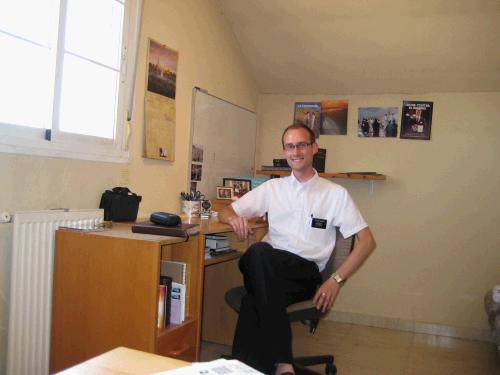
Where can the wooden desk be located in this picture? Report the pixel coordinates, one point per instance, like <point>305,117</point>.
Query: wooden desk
<point>105,292</point>
<point>122,361</point>
<point>221,274</point>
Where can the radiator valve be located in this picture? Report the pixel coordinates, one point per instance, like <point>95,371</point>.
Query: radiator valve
<point>5,217</point>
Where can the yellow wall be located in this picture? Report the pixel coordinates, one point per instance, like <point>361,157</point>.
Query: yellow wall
<point>208,58</point>
<point>435,218</point>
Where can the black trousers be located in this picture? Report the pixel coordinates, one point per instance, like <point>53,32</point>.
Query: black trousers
<point>273,280</point>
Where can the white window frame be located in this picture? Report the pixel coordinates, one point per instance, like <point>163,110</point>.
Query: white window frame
<point>32,141</point>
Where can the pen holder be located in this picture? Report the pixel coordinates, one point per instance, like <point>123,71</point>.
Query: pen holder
<point>190,208</point>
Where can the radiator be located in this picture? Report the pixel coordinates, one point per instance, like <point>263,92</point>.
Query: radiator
<point>28,345</point>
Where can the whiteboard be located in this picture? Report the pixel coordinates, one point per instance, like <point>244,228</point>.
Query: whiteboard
<point>226,134</point>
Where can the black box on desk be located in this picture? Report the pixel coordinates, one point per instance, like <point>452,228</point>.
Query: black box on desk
<point>319,160</point>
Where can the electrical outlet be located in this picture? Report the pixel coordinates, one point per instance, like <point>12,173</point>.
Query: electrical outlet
<point>124,177</point>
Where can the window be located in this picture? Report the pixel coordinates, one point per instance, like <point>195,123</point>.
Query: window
<point>66,76</point>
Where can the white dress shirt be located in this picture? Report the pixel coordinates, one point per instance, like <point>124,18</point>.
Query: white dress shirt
<point>292,206</point>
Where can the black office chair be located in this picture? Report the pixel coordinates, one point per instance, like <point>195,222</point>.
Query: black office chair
<point>305,311</point>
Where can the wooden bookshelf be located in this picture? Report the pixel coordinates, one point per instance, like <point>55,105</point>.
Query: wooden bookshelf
<point>349,175</point>
<point>106,295</point>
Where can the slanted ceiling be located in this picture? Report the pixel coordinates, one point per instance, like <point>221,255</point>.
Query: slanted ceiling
<point>368,46</point>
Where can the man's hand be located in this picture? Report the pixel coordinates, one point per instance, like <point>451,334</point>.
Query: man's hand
<point>326,294</point>
<point>240,226</point>
<point>238,223</point>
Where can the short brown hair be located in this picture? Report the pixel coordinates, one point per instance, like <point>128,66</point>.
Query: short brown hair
<point>298,125</point>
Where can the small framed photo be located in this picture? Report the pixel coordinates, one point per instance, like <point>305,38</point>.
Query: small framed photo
<point>240,186</point>
<point>224,192</point>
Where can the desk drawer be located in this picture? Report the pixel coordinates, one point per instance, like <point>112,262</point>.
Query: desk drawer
<point>179,342</point>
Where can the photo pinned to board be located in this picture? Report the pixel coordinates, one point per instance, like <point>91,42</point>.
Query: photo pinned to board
<point>197,153</point>
<point>196,170</point>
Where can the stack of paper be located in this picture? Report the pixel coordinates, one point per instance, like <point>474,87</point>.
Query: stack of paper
<point>217,244</point>
<point>178,303</point>
<point>217,367</point>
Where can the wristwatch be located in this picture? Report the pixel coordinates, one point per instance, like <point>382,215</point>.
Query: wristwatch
<point>338,279</point>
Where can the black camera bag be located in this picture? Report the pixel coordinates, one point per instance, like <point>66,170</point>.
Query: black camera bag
<point>120,204</point>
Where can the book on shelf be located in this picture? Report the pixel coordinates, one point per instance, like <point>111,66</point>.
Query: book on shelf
<point>216,242</point>
<point>166,281</point>
<point>222,250</point>
<point>215,236</point>
<point>275,168</point>
<point>319,160</point>
<point>177,303</point>
<point>182,230</point>
<point>162,289</point>
<point>280,163</point>
<point>174,269</point>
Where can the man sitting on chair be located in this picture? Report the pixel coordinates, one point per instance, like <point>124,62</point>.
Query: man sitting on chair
<point>303,211</point>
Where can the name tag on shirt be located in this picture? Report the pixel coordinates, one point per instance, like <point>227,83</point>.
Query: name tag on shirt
<point>318,223</point>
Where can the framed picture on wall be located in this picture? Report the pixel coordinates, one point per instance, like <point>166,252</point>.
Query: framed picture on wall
<point>308,114</point>
<point>378,122</point>
<point>416,120</point>
<point>159,102</point>
<point>239,185</point>
<point>334,117</point>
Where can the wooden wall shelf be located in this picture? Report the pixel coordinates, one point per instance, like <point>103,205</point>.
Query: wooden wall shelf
<point>349,176</point>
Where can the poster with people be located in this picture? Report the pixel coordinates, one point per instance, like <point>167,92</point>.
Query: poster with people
<point>308,114</point>
<point>378,122</point>
<point>416,120</point>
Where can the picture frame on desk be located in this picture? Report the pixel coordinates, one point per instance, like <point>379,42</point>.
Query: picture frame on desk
<point>240,186</point>
<point>225,192</point>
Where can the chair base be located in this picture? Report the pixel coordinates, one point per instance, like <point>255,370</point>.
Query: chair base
<point>301,363</point>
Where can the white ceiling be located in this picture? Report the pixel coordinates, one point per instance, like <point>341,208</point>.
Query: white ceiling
<point>368,46</point>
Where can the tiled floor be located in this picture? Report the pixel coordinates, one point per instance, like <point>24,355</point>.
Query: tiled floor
<point>362,350</point>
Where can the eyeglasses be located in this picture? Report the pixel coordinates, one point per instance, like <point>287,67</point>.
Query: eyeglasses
<point>301,146</point>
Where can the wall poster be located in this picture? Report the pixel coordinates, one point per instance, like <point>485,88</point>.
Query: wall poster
<point>159,103</point>
<point>416,120</point>
<point>334,117</point>
<point>325,117</point>
<point>378,122</point>
<point>308,114</point>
